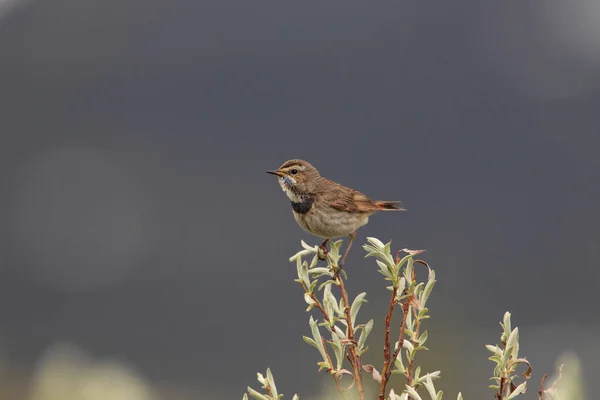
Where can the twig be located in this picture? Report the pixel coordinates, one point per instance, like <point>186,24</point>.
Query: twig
<point>387,361</point>
<point>405,310</point>
<point>503,380</point>
<point>388,364</point>
<point>355,359</point>
<point>500,394</point>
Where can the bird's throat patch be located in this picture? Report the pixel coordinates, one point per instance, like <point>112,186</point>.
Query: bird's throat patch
<point>303,206</point>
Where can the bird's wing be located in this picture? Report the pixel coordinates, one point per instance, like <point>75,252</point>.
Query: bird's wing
<point>345,199</point>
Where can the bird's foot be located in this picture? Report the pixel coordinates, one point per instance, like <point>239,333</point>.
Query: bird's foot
<point>323,250</point>
<point>337,271</point>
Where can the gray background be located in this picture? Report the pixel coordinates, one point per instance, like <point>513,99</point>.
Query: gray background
<point>138,222</point>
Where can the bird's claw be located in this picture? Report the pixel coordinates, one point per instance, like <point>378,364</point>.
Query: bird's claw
<point>337,271</point>
<point>322,253</point>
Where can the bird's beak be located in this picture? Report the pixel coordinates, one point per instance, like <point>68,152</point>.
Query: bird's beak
<point>278,173</point>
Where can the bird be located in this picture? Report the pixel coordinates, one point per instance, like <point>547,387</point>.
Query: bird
<point>326,208</point>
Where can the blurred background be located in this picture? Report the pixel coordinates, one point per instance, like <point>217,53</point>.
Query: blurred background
<point>142,243</point>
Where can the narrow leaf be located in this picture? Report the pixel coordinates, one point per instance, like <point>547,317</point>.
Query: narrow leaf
<point>364,334</point>
<point>257,395</point>
<point>358,300</point>
<point>271,383</point>
<point>518,390</point>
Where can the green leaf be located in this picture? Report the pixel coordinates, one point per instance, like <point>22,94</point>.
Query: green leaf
<point>385,269</point>
<point>378,244</point>
<point>271,383</point>
<point>364,334</point>
<point>496,359</point>
<point>423,338</point>
<point>338,350</point>
<point>494,349</point>
<point>506,356</point>
<point>308,299</point>
<point>358,301</point>
<point>317,338</point>
<point>513,342</point>
<point>417,374</point>
<point>329,302</point>
<point>339,332</point>
<point>320,271</point>
<point>326,283</point>
<point>363,350</point>
<point>399,364</point>
<point>408,346</point>
<point>342,307</point>
<point>408,269</point>
<point>430,375</point>
<point>505,327</point>
<point>518,390</point>
<point>427,380</point>
<point>261,379</point>
<point>379,250</point>
<point>256,395</point>
<point>313,262</point>
<point>312,286</point>
<point>310,341</point>
<point>401,286</point>
<point>419,289</point>
<point>302,268</point>
<point>307,251</point>
<point>413,393</point>
<point>403,260</point>
<point>387,248</point>
<point>409,327</point>
<point>428,288</point>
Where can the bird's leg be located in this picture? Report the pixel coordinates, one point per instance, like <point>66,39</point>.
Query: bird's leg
<point>323,250</point>
<point>341,264</point>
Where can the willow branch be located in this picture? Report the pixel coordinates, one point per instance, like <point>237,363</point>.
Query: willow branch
<point>352,346</point>
<point>328,319</point>
<point>387,361</point>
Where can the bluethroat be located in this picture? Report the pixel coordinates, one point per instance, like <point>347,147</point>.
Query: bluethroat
<point>325,208</point>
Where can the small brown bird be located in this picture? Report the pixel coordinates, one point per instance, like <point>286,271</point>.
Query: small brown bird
<point>325,208</point>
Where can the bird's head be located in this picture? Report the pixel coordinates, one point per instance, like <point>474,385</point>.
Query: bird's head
<point>297,178</point>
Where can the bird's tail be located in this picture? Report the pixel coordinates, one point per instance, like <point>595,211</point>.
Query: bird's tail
<point>389,206</point>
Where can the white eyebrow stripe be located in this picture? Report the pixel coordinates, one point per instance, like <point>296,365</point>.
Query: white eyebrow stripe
<point>295,166</point>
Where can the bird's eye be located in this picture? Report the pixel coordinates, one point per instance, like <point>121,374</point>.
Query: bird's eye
<point>294,171</point>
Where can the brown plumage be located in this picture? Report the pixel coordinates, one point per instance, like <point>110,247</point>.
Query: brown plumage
<point>324,207</point>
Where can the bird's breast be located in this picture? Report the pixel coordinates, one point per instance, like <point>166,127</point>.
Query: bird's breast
<point>327,222</point>
<point>303,205</point>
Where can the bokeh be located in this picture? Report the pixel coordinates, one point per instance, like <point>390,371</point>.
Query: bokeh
<point>142,243</point>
